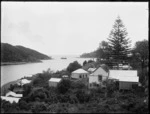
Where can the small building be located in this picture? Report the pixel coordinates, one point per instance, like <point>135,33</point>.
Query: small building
<point>12,94</point>
<point>126,78</point>
<point>65,76</point>
<point>98,76</point>
<point>54,81</point>
<point>79,74</point>
<point>10,99</point>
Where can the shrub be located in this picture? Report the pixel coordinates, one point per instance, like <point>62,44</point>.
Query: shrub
<point>63,86</point>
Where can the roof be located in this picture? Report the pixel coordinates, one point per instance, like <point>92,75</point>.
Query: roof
<point>124,75</point>
<point>80,71</point>
<point>13,94</point>
<point>105,67</point>
<point>91,69</point>
<point>114,73</point>
<point>65,76</point>
<point>10,99</point>
<point>55,79</point>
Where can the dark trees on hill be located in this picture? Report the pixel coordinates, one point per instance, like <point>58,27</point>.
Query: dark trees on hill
<point>73,66</point>
<point>118,41</point>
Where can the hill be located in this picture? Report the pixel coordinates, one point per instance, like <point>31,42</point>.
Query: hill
<point>10,53</point>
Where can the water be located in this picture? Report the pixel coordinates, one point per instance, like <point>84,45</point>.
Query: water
<point>14,72</point>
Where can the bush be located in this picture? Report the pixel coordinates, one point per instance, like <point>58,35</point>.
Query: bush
<point>63,86</point>
<point>73,66</point>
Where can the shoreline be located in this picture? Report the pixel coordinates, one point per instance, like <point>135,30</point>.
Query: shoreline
<point>16,63</point>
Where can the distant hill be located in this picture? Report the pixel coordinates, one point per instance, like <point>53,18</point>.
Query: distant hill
<point>89,55</point>
<point>10,53</point>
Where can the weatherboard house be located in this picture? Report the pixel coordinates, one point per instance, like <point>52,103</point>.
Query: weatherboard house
<point>98,76</point>
<point>79,74</point>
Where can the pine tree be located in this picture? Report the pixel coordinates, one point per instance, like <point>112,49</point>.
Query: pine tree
<point>118,42</point>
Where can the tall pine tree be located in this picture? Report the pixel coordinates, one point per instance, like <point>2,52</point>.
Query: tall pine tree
<point>118,42</point>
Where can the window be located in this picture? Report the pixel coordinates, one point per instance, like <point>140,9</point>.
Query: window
<point>100,77</point>
<point>80,76</point>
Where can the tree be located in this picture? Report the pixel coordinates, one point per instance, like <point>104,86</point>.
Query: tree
<point>73,66</point>
<point>63,86</point>
<point>141,54</point>
<point>118,41</point>
<point>84,63</point>
<point>103,51</point>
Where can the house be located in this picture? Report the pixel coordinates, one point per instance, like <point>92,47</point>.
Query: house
<point>98,76</point>
<point>10,99</point>
<point>126,78</point>
<point>12,94</point>
<point>79,74</point>
<point>54,81</point>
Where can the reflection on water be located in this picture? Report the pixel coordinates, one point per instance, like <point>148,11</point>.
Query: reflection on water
<point>14,72</point>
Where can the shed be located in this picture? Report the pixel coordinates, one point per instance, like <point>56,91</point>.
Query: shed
<point>79,74</point>
<point>54,81</point>
<point>126,78</point>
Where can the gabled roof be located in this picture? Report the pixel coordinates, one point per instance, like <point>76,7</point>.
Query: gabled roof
<point>104,67</point>
<point>55,80</point>
<point>80,71</point>
<point>10,99</point>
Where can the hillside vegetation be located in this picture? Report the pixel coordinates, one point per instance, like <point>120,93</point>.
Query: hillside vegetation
<point>10,53</point>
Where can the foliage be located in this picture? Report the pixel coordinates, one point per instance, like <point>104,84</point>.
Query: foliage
<point>89,55</point>
<point>118,43</point>
<point>63,86</point>
<point>103,51</point>
<point>73,66</point>
<point>41,79</point>
<point>84,63</point>
<point>27,89</point>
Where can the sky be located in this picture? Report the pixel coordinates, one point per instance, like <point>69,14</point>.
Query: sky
<point>69,28</point>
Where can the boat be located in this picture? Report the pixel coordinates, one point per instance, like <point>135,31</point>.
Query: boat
<point>63,58</point>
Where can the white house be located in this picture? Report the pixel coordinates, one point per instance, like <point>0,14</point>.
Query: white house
<point>79,74</point>
<point>54,81</point>
<point>10,99</point>
<point>12,94</point>
<point>97,77</point>
<point>126,78</point>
